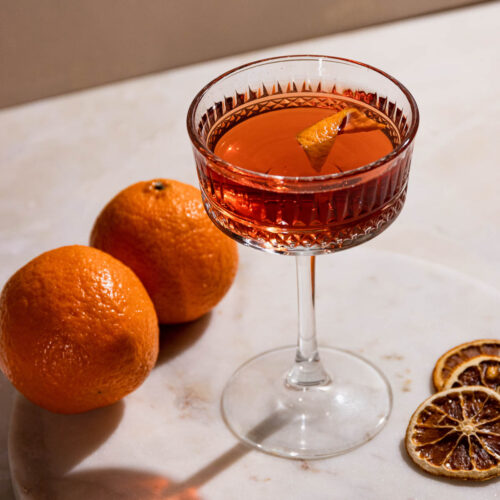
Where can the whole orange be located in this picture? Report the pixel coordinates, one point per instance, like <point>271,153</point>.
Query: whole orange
<point>159,229</point>
<point>77,330</point>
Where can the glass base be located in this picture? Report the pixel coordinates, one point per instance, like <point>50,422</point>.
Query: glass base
<point>309,422</point>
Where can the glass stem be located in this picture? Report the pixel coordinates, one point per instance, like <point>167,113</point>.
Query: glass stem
<point>307,370</point>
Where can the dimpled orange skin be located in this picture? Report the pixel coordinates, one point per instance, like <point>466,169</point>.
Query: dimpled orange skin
<point>77,330</point>
<point>159,228</point>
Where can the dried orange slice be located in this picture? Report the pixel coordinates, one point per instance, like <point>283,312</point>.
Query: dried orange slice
<point>458,355</point>
<point>456,433</point>
<point>481,370</point>
<point>318,139</point>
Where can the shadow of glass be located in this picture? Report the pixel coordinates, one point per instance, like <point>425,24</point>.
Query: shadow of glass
<point>259,432</point>
<point>42,475</point>
<point>174,339</point>
<point>116,484</point>
<point>44,444</point>
<point>441,479</point>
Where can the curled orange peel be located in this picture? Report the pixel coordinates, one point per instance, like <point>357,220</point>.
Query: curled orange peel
<point>318,139</point>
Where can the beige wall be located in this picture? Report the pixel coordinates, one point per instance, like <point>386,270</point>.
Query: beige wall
<point>48,47</point>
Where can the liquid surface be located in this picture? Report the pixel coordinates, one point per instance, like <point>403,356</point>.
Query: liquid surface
<point>283,219</point>
<point>267,143</point>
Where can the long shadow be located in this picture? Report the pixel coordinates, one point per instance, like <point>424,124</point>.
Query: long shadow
<point>265,428</point>
<point>175,339</point>
<point>44,447</point>
<point>127,484</point>
<point>44,444</point>
<point>116,484</point>
<point>45,467</point>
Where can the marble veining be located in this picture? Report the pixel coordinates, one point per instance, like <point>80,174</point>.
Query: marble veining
<point>429,282</point>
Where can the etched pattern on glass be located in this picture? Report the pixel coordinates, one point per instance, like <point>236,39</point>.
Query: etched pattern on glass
<point>270,217</point>
<point>225,114</point>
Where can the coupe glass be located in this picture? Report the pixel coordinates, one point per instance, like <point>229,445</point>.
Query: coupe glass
<point>299,402</point>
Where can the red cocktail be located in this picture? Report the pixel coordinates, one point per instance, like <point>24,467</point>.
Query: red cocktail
<point>263,188</point>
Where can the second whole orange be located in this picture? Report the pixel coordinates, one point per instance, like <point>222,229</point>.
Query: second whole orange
<point>77,330</point>
<point>159,229</point>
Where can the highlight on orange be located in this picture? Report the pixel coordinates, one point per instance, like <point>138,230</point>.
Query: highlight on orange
<point>77,330</point>
<point>159,229</point>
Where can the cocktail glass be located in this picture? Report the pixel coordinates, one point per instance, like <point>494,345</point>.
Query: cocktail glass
<point>299,402</point>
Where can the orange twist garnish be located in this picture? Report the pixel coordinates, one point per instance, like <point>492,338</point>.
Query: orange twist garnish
<point>318,139</point>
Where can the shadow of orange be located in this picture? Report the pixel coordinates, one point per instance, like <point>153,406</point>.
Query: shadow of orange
<point>43,444</point>
<point>46,446</point>
<point>7,397</point>
<point>117,484</point>
<point>175,339</point>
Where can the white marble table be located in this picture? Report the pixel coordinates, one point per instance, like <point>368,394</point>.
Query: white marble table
<point>429,282</point>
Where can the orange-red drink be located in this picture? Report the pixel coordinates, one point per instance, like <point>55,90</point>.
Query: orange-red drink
<point>268,143</point>
<point>304,155</point>
<point>263,211</point>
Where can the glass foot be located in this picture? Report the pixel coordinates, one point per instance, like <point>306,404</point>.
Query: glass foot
<point>311,422</point>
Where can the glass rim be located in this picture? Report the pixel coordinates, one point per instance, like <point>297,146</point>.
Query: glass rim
<point>234,168</point>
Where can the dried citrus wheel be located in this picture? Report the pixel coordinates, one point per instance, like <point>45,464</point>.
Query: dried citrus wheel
<point>481,370</point>
<point>318,139</point>
<point>456,433</point>
<point>460,354</point>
